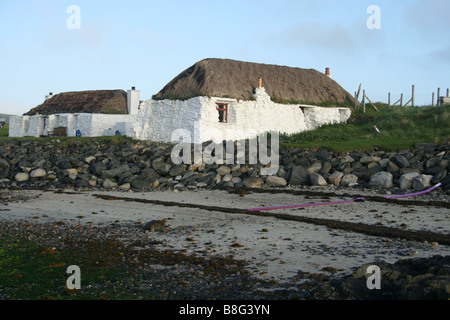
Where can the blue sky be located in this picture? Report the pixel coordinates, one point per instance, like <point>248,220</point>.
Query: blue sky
<point>147,43</point>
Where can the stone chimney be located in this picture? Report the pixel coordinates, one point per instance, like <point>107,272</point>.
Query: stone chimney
<point>133,101</point>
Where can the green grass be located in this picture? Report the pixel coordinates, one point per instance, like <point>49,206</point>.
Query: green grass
<point>400,128</point>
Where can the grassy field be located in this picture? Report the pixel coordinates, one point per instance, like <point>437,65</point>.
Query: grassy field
<point>400,128</point>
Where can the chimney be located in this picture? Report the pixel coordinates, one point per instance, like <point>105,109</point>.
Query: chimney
<point>260,82</point>
<point>133,101</point>
<point>327,72</point>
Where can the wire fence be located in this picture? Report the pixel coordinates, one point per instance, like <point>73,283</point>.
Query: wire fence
<point>402,99</point>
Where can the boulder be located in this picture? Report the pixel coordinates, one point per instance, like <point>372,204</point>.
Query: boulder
<point>369,159</point>
<point>107,183</point>
<point>382,179</point>
<point>335,178</point>
<point>274,181</point>
<point>315,167</point>
<point>406,180</point>
<point>223,170</point>
<point>177,170</point>
<point>4,168</point>
<point>299,176</point>
<point>22,176</point>
<point>317,180</point>
<point>162,168</point>
<point>38,173</point>
<point>253,182</point>
<point>422,182</point>
<point>349,180</point>
<point>401,161</point>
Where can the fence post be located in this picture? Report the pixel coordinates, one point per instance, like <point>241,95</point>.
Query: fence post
<point>401,100</point>
<point>432,99</point>
<point>438,103</point>
<point>364,101</point>
<point>389,99</point>
<point>412,99</point>
<point>447,93</point>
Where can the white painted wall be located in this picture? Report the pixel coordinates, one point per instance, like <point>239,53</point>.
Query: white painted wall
<point>158,120</point>
<point>90,125</point>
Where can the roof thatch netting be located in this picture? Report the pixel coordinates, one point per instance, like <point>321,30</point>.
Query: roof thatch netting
<point>91,101</point>
<point>237,79</point>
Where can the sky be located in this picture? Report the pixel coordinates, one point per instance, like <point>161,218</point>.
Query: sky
<point>59,46</point>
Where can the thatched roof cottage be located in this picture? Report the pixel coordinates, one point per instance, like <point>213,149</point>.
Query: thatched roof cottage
<point>211,100</point>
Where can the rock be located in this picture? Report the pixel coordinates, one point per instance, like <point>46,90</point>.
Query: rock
<point>401,161</point>
<point>38,173</point>
<point>71,173</point>
<point>439,176</point>
<point>391,167</point>
<point>406,180</point>
<point>274,181</point>
<point>125,186</point>
<point>315,167</point>
<point>299,176</point>
<point>4,168</point>
<point>116,172</point>
<point>155,225</point>
<point>369,159</point>
<point>227,177</point>
<point>253,182</point>
<point>162,168</point>
<point>335,178</point>
<point>107,183</point>
<point>22,176</point>
<point>349,180</point>
<point>422,182</point>
<point>384,163</point>
<point>223,170</point>
<point>317,180</point>
<point>382,179</point>
<point>90,159</point>
<point>177,170</point>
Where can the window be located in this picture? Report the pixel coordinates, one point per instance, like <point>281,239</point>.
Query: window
<point>222,108</point>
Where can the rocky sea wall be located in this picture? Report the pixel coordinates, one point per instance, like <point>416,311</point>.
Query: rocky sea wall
<point>144,165</point>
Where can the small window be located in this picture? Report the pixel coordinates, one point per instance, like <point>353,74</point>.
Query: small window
<point>222,108</point>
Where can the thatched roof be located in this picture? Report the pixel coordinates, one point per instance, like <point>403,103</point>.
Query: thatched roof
<point>237,79</point>
<point>92,101</point>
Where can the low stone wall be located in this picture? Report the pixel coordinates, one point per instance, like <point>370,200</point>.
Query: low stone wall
<point>142,165</point>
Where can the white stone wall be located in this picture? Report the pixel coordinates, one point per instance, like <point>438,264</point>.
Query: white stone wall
<point>197,118</point>
<point>158,119</point>
<point>90,125</point>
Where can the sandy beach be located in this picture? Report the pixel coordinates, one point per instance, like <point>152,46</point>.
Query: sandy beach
<point>274,248</point>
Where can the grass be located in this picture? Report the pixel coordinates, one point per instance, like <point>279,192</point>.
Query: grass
<point>400,128</point>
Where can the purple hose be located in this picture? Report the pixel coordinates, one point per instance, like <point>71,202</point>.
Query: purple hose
<point>344,201</point>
